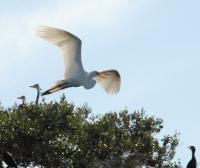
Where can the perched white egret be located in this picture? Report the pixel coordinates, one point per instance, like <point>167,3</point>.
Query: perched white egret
<point>23,98</point>
<point>37,87</point>
<point>75,75</point>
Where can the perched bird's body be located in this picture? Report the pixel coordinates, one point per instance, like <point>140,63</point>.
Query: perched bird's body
<point>75,75</point>
<point>37,87</point>
<point>192,163</point>
<point>9,160</point>
<point>23,98</point>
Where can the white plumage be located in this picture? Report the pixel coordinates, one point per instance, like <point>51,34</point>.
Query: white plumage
<point>75,75</point>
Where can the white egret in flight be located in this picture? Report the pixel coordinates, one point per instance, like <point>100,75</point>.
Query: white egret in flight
<point>23,98</point>
<point>75,75</point>
<point>37,87</point>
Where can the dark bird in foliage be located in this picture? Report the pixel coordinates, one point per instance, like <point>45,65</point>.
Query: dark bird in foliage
<point>192,163</point>
<point>37,87</point>
<point>9,160</point>
<point>23,98</point>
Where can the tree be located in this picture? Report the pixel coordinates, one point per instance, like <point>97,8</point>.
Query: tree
<point>58,134</point>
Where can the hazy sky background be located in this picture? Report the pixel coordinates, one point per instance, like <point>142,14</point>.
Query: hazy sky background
<point>154,44</point>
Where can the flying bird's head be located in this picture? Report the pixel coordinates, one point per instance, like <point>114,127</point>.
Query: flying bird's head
<point>192,148</point>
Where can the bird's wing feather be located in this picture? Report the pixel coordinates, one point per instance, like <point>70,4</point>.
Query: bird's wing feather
<point>110,80</point>
<point>70,46</point>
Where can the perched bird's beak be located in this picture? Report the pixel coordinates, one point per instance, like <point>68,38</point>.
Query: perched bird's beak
<point>33,86</point>
<point>21,97</point>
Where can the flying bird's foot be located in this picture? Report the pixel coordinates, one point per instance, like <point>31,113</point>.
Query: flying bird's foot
<point>53,89</point>
<point>46,93</point>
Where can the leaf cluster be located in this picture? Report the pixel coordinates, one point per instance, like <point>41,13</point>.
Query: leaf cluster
<point>58,134</point>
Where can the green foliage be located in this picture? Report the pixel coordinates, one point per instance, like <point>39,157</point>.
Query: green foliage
<point>58,134</point>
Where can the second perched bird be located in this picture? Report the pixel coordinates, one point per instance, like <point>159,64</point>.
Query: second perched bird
<point>192,163</point>
<point>75,75</point>
<point>23,98</point>
<point>37,87</point>
<point>9,160</point>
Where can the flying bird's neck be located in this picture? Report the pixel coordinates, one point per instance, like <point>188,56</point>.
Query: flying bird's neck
<point>90,80</point>
<point>92,75</point>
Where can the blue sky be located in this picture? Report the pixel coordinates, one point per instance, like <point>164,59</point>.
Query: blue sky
<point>154,44</point>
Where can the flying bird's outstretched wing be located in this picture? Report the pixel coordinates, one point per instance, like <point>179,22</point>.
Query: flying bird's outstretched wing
<point>70,46</point>
<point>110,80</point>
